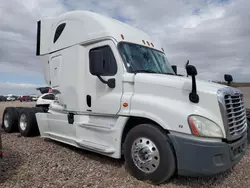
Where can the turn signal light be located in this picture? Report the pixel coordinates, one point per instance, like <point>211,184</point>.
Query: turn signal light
<point>193,127</point>
<point>125,104</point>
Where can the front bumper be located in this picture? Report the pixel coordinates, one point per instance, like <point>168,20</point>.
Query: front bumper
<point>198,158</point>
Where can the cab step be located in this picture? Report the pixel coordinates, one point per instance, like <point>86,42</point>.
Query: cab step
<point>96,147</point>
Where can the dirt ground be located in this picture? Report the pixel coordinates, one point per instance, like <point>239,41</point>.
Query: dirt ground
<point>38,162</point>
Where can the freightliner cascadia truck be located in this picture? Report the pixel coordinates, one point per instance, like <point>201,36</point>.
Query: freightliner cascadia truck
<point>118,95</point>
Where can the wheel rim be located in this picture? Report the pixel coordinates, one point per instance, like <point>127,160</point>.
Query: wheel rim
<point>145,155</point>
<point>23,122</point>
<point>6,120</point>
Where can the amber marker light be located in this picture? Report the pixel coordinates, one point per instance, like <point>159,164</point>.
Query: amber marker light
<point>125,104</point>
<point>193,127</point>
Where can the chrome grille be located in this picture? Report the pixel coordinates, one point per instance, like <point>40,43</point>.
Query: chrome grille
<point>236,113</point>
<point>248,113</point>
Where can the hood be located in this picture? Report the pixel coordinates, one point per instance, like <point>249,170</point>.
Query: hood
<point>166,98</point>
<point>178,82</point>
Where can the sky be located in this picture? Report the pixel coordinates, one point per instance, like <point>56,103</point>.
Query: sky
<point>213,34</point>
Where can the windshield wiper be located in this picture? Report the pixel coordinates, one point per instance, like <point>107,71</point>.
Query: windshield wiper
<point>169,73</point>
<point>145,70</point>
<point>150,71</point>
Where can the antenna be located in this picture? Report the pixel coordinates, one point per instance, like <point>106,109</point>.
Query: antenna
<point>186,66</point>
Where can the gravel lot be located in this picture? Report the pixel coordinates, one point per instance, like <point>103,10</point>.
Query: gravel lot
<point>37,162</point>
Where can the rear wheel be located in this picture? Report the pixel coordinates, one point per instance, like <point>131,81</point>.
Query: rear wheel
<point>27,122</point>
<point>10,119</point>
<point>149,154</point>
<point>248,130</point>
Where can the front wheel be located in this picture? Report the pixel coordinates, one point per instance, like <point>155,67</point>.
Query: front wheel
<point>149,154</point>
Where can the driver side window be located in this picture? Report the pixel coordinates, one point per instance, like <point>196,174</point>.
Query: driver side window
<point>105,57</point>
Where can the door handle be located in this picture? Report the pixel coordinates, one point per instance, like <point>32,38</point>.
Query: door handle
<point>88,100</point>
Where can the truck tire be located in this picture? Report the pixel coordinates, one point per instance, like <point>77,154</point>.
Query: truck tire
<point>10,119</point>
<point>27,124</point>
<point>248,131</point>
<point>149,154</point>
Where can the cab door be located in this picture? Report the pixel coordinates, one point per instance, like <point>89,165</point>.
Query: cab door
<point>103,98</point>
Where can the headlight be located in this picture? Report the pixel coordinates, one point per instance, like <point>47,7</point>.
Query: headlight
<point>201,126</point>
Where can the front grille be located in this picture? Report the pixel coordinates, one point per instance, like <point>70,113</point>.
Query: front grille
<point>248,113</point>
<point>236,114</point>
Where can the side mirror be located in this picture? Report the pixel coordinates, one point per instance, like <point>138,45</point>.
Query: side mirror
<point>97,63</point>
<point>191,70</point>
<point>111,83</point>
<point>228,78</point>
<point>174,67</point>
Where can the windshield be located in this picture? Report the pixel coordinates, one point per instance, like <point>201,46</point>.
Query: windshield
<point>140,58</point>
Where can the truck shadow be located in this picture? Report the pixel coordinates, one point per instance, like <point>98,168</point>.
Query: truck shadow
<point>189,182</point>
<point>89,154</point>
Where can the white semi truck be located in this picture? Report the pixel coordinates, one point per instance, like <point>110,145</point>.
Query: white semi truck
<point>117,95</point>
